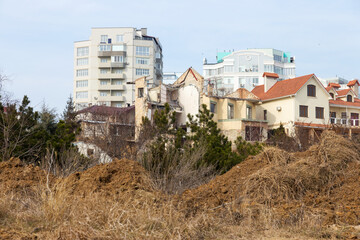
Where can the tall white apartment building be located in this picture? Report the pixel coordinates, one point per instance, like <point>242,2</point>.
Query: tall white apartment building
<point>245,69</point>
<point>107,65</point>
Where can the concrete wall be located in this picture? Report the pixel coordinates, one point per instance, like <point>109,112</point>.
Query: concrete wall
<point>189,100</point>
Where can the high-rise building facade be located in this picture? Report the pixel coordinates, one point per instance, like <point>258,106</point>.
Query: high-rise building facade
<point>107,65</point>
<point>245,69</point>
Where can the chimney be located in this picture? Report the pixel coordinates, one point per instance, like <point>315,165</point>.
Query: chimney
<point>143,31</point>
<point>269,80</point>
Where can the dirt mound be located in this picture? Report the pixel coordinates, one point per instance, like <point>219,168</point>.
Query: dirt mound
<point>17,176</point>
<point>323,182</point>
<point>109,179</point>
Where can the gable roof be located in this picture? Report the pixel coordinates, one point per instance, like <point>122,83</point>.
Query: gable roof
<point>343,92</point>
<point>243,94</point>
<point>353,82</point>
<point>282,88</point>
<point>345,103</point>
<point>272,75</point>
<point>335,85</point>
<point>189,73</point>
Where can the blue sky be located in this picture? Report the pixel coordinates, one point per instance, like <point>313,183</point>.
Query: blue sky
<point>36,37</point>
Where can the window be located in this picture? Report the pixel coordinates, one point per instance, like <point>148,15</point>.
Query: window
<point>319,111</point>
<point>116,82</point>
<point>142,72</point>
<point>142,61</point>
<point>104,60</point>
<point>248,112</point>
<point>118,48</point>
<point>228,69</point>
<point>332,95</point>
<point>103,71</point>
<point>104,47</point>
<point>349,98</point>
<point>116,93</point>
<point>82,51</point>
<point>82,72</point>
<point>117,104</point>
<point>255,81</point>
<point>343,117</point>
<point>103,82</point>
<point>142,50</point>
<point>255,68</point>
<point>82,83</point>
<point>230,111</point>
<point>83,94</point>
<point>303,111</point>
<point>311,90</point>
<point>140,92</point>
<point>103,93</point>
<point>82,61</point>
<point>104,38</point>
<point>119,38</point>
<point>117,71</point>
<point>213,107</point>
<point>118,59</point>
<point>332,117</point>
<point>265,114</point>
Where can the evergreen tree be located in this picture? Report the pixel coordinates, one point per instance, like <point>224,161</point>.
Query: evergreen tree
<point>204,129</point>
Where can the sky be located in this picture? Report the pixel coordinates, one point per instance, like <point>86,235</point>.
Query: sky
<point>37,36</point>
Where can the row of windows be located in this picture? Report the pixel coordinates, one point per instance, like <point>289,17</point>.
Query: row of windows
<point>303,112</point>
<point>143,61</point>
<point>106,39</point>
<point>82,61</point>
<point>107,93</point>
<point>82,83</point>
<point>140,50</point>
<point>109,47</point>
<point>142,72</point>
<point>119,59</point>
<point>82,51</point>
<point>105,71</point>
<point>82,94</point>
<point>82,72</point>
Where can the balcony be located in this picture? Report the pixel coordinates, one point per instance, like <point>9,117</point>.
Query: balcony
<point>118,65</point>
<point>112,98</point>
<point>111,53</point>
<point>118,98</point>
<point>112,76</point>
<point>345,122</point>
<point>112,87</point>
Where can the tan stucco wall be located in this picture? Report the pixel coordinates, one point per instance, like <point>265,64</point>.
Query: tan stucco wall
<point>321,100</point>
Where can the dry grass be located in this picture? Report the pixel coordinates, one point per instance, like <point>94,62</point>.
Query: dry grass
<point>272,202</point>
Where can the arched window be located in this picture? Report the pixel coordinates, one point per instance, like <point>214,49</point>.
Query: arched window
<point>349,98</point>
<point>311,90</point>
<point>332,95</point>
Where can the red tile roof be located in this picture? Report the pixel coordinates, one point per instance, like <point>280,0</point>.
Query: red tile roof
<point>329,88</point>
<point>353,82</point>
<point>314,125</point>
<point>243,94</point>
<point>344,103</point>
<point>272,75</point>
<point>335,85</point>
<point>343,92</point>
<point>282,88</point>
<point>105,110</point>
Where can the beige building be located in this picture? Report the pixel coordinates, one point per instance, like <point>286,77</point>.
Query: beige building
<point>297,102</point>
<point>234,113</point>
<point>106,66</point>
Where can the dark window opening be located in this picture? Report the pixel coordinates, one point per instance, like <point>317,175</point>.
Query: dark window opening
<point>319,112</point>
<point>140,92</point>
<point>311,90</point>
<point>265,114</point>
<point>303,111</point>
<point>349,98</point>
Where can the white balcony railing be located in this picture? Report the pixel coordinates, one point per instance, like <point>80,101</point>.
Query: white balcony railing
<point>345,121</point>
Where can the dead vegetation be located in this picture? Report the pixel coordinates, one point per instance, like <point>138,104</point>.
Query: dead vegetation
<point>274,195</point>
